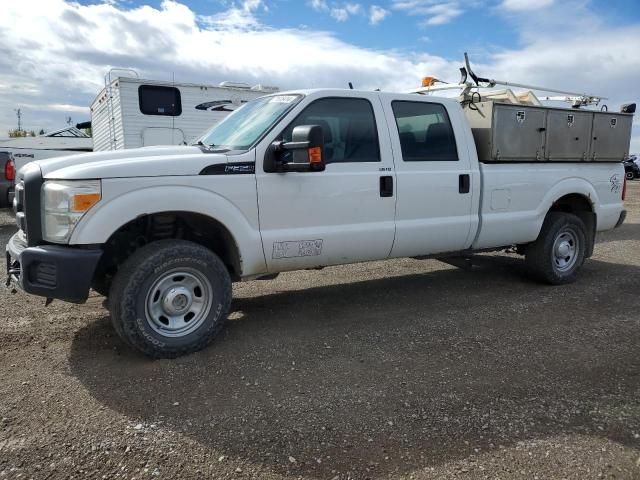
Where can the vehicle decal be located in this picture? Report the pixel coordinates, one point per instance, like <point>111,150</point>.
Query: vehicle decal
<point>570,120</point>
<point>239,168</point>
<point>297,248</point>
<point>282,98</point>
<point>220,105</point>
<point>616,183</point>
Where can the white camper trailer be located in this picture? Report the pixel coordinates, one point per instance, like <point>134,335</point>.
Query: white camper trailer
<point>132,112</point>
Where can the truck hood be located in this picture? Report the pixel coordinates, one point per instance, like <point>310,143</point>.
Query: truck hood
<point>136,162</point>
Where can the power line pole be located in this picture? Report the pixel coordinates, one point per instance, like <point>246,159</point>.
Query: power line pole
<point>19,115</point>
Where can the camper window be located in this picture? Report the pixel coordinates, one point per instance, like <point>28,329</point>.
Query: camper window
<point>157,100</point>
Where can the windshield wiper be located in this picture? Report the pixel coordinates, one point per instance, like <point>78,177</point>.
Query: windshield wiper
<point>199,142</point>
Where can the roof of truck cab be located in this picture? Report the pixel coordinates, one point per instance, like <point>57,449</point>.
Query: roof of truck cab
<point>354,92</point>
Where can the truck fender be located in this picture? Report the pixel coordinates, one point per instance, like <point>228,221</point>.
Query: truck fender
<point>568,186</point>
<point>97,226</point>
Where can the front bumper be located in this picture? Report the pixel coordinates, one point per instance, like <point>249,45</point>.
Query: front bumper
<point>51,271</point>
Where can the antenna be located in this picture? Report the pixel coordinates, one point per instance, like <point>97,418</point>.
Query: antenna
<point>68,120</point>
<point>19,115</point>
<point>350,86</point>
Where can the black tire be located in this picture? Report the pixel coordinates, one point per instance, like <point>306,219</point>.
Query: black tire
<point>548,257</point>
<point>630,175</point>
<point>134,300</point>
<point>102,285</point>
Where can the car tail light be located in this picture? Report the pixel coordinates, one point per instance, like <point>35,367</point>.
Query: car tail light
<point>10,170</point>
<point>624,188</point>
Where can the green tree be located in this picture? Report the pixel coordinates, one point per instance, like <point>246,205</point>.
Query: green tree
<point>15,133</point>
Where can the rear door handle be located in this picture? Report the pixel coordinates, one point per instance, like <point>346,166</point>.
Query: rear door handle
<point>386,186</point>
<point>464,183</point>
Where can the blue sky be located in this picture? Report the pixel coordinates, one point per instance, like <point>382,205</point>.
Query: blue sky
<point>54,53</point>
<point>482,26</point>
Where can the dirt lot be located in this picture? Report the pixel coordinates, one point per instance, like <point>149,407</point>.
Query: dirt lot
<point>403,369</point>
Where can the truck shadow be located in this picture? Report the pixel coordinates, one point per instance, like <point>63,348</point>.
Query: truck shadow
<point>627,231</point>
<point>393,374</point>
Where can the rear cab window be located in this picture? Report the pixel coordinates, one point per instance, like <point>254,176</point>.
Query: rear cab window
<point>425,132</point>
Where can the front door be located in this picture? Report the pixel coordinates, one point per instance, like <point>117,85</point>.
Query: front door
<point>344,213</point>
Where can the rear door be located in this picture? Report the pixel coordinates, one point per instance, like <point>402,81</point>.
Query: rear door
<point>344,213</point>
<point>434,177</point>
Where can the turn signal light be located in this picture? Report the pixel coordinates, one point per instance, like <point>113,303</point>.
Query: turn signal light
<point>315,155</point>
<point>84,201</point>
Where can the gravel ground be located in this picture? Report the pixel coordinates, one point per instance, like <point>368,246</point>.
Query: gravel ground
<point>399,369</point>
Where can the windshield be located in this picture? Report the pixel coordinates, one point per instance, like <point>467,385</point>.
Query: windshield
<point>242,128</point>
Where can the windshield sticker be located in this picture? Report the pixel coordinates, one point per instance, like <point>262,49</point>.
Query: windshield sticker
<point>282,99</point>
<point>299,248</point>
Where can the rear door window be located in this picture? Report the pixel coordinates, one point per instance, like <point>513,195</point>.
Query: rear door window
<point>425,132</point>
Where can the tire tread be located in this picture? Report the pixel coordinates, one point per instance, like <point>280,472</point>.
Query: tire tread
<point>122,303</point>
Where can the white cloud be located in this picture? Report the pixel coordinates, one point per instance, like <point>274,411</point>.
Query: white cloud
<point>377,14</point>
<point>435,12</point>
<point>236,17</point>
<point>442,13</point>
<point>340,14</point>
<point>54,54</point>
<point>525,5</point>
<point>340,11</point>
<point>319,5</point>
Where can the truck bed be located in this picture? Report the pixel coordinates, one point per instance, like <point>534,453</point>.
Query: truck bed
<point>516,197</point>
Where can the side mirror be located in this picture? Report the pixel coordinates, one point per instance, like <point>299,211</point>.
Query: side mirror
<point>302,154</point>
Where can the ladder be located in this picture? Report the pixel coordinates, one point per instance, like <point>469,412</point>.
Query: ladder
<point>108,86</point>
<point>471,87</point>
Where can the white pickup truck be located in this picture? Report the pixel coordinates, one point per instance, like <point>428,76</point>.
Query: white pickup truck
<point>295,180</point>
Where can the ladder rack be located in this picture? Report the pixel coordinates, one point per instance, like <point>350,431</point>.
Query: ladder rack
<point>471,84</point>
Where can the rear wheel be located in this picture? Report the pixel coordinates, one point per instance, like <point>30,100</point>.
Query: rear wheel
<point>630,175</point>
<point>170,298</point>
<point>559,252</point>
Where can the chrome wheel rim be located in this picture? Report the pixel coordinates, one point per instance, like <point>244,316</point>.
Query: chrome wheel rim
<point>178,302</point>
<point>565,251</point>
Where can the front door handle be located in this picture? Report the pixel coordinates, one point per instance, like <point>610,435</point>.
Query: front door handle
<point>386,186</point>
<point>464,183</point>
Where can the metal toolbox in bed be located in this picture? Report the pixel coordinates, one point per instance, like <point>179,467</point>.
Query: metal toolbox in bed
<point>506,132</point>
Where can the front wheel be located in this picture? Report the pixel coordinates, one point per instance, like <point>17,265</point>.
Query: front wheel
<point>630,175</point>
<point>559,252</point>
<point>170,298</point>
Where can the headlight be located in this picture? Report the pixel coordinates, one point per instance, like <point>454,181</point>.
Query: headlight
<point>63,205</point>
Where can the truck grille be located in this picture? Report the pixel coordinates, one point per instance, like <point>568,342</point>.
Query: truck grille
<point>18,206</point>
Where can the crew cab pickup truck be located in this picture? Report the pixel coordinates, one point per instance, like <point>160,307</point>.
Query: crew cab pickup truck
<point>295,180</point>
